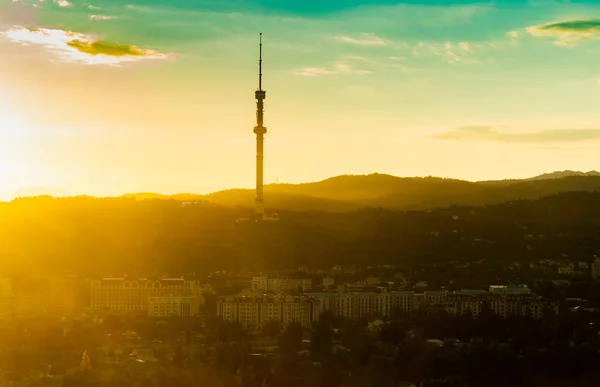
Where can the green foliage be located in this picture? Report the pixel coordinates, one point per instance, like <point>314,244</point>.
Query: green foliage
<point>290,340</point>
<point>490,352</point>
<point>272,328</point>
<point>160,237</point>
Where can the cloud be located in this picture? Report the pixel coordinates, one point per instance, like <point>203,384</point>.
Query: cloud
<point>62,3</point>
<point>100,17</point>
<point>76,47</point>
<point>465,46</point>
<point>452,52</point>
<point>487,133</point>
<point>363,40</point>
<point>93,7</point>
<point>337,68</point>
<point>568,33</point>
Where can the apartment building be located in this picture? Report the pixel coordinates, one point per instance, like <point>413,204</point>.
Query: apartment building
<point>253,312</point>
<point>281,284</point>
<point>169,306</point>
<point>501,300</point>
<point>132,295</point>
<point>504,305</point>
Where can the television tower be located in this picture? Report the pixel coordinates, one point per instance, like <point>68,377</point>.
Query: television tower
<point>260,130</point>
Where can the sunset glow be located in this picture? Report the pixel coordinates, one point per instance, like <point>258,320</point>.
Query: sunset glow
<point>105,97</point>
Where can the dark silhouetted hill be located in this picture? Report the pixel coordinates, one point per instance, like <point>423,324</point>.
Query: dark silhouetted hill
<point>561,174</point>
<point>161,236</point>
<point>349,192</point>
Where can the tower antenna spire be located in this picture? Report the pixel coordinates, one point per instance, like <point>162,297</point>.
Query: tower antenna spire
<point>260,61</point>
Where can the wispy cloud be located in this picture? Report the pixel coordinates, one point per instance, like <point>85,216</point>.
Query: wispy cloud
<point>63,3</point>
<point>76,47</point>
<point>452,52</point>
<point>488,133</point>
<point>363,40</point>
<point>568,33</point>
<point>100,17</point>
<point>337,68</point>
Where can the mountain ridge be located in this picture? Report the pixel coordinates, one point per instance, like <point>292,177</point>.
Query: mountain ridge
<point>352,192</point>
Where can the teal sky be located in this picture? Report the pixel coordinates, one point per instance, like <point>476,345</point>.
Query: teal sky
<point>149,95</point>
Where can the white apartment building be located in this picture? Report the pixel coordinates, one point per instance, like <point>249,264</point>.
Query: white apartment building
<point>281,284</point>
<point>132,294</point>
<point>167,306</point>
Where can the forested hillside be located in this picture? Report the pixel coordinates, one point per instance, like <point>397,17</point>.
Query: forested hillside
<point>170,236</point>
<point>350,192</point>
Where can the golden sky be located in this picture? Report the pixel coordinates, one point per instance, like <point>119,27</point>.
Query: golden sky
<point>105,97</point>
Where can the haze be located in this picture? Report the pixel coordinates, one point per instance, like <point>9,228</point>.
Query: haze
<point>105,97</point>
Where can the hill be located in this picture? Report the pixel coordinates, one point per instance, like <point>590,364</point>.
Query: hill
<point>124,235</point>
<point>343,193</point>
<point>351,192</point>
<point>561,174</point>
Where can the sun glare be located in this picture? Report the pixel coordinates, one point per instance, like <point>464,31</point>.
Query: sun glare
<point>13,133</point>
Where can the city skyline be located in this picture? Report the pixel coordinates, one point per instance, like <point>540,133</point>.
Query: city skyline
<point>105,98</point>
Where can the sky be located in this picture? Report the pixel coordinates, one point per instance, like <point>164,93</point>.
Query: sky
<point>105,97</point>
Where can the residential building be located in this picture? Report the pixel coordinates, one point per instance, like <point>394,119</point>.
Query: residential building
<point>167,306</point>
<point>260,284</point>
<point>504,301</point>
<point>521,289</point>
<point>281,284</point>
<point>132,295</point>
<point>567,269</point>
<point>254,311</point>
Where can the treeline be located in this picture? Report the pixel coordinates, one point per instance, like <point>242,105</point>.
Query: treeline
<point>162,236</point>
<point>423,349</point>
<point>352,192</point>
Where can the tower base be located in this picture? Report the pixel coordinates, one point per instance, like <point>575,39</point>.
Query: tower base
<point>255,218</point>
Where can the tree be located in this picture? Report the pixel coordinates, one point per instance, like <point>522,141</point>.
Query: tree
<point>322,336</point>
<point>290,340</point>
<point>272,328</point>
